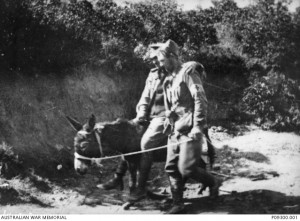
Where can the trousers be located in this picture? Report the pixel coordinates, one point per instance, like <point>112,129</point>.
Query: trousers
<point>183,161</point>
<point>153,137</point>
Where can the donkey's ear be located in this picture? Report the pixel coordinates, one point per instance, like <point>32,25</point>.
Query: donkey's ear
<point>74,123</point>
<point>92,121</point>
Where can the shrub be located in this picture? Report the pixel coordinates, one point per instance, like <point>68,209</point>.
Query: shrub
<point>273,100</point>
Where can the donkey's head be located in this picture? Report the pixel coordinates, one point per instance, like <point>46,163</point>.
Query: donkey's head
<point>87,144</point>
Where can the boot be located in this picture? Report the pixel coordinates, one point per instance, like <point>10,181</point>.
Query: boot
<point>177,196</point>
<point>177,209</point>
<point>117,181</point>
<point>141,191</point>
<point>209,180</point>
<point>114,183</point>
<point>178,205</point>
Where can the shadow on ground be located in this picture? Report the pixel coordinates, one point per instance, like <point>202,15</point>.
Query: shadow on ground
<point>248,202</point>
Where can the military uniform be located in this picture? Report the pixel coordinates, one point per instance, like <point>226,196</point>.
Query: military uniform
<point>150,106</point>
<point>187,103</point>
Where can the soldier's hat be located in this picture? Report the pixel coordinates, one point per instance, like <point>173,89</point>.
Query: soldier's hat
<point>170,47</point>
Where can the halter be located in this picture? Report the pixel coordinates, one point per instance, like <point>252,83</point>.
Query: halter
<point>95,160</point>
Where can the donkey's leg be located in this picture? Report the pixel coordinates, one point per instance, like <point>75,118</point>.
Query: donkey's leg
<point>133,168</point>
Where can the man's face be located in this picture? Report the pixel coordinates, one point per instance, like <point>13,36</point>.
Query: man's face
<point>155,62</point>
<point>165,62</point>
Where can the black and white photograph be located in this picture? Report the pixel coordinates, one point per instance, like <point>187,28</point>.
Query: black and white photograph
<point>149,107</point>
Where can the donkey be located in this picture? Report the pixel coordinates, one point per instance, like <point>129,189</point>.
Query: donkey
<point>94,140</point>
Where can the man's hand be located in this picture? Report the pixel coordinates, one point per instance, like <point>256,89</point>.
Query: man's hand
<point>139,119</point>
<point>196,133</point>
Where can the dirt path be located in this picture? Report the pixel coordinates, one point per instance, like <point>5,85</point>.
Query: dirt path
<point>261,175</point>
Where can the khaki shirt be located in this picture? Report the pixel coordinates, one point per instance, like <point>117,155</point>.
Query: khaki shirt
<point>184,93</point>
<point>151,85</point>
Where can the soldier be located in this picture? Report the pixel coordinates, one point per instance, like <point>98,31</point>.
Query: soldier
<point>186,110</point>
<point>149,108</point>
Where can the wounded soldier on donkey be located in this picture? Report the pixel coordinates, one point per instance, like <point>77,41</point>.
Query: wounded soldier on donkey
<point>152,108</point>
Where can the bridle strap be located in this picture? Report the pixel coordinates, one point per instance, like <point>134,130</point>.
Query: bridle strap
<point>96,160</point>
<point>80,157</point>
<point>99,143</point>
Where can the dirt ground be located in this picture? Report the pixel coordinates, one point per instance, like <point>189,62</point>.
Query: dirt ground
<point>260,171</point>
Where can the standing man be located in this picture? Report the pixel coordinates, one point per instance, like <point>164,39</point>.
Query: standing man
<point>186,113</point>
